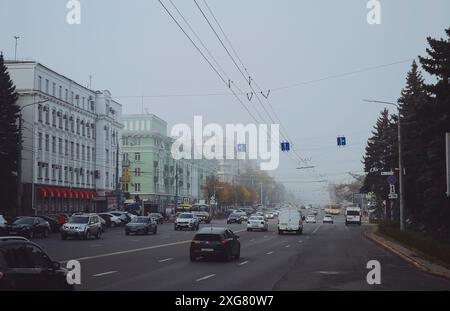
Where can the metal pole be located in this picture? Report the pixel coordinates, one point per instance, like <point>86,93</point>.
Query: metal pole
<point>261,193</point>
<point>400,166</point>
<point>176,186</point>
<point>19,170</point>
<point>15,49</point>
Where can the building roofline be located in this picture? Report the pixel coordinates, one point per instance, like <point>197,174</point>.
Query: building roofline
<point>147,115</point>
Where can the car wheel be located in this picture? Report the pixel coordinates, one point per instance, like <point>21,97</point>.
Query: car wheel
<point>98,236</point>
<point>45,234</point>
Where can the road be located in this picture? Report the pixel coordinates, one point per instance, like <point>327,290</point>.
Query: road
<point>324,257</point>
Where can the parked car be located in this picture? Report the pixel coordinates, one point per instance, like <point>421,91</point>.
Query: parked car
<point>158,217</point>
<point>115,220</point>
<point>122,216</point>
<point>107,219</point>
<point>310,219</point>
<point>82,226</point>
<point>186,221</point>
<point>54,225</point>
<point>215,242</point>
<point>3,225</point>
<point>29,227</point>
<point>234,219</point>
<point>141,224</point>
<point>257,223</point>
<point>242,214</point>
<point>328,219</point>
<point>24,266</point>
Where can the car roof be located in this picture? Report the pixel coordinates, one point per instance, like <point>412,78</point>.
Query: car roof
<point>212,230</point>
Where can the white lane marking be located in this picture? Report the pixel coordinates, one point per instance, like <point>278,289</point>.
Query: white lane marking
<point>287,246</point>
<point>270,253</point>
<point>265,236</point>
<point>164,260</point>
<point>105,273</point>
<point>130,251</point>
<point>346,228</point>
<point>205,277</point>
<point>328,272</point>
<point>316,229</point>
<point>134,240</point>
<point>243,263</point>
<point>252,240</point>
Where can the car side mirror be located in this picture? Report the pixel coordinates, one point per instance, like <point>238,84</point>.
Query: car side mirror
<point>56,265</point>
<point>236,237</point>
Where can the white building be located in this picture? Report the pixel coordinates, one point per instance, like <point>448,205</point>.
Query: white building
<point>71,135</point>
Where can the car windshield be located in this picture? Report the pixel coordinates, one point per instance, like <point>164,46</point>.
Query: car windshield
<point>353,213</point>
<point>78,220</point>
<point>208,237</point>
<point>256,218</point>
<point>186,216</point>
<point>24,221</point>
<point>234,216</point>
<point>139,220</point>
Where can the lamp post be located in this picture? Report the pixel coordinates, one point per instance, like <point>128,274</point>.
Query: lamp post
<point>400,162</point>
<point>19,168</point>
<point>15,48</point>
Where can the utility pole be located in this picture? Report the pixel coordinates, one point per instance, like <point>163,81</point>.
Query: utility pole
<point>261,184</point>
<point>117,172</point>
<point>176,186</point>
<point>15,49</point>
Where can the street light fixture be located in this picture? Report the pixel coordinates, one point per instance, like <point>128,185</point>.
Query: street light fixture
<point>400,162</point>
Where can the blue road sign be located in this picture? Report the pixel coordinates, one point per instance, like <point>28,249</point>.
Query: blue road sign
<point>341,141</point>
<point>242,147</point>
<point>392,180</point>
<point>285,146</point>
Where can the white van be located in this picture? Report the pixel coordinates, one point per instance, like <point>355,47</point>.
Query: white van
<point>290,220</point>
<point>353,215</point>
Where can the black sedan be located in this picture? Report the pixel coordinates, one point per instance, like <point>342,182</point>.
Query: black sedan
<point>24,266</point>
<point>107,219</point>
<point>53,221</point>
<point>29,227</point>
<point>234,219</point>
<point>158,217</point>
<point>215,242</point>
<point>141,224</point>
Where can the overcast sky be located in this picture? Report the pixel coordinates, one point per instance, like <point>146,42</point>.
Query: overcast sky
<point>133,48</point>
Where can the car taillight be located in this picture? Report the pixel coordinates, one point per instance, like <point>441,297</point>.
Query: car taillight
<point>223,242</point>
<point>194,242</point>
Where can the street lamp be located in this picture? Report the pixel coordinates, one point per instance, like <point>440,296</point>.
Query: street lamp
<point>19,168</point>
<point>400,162</point>
<point>15,49</point>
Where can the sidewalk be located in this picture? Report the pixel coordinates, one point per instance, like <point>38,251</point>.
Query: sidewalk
<point>413,257</point>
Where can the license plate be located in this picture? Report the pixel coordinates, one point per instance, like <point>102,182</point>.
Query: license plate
<point>207,250</point>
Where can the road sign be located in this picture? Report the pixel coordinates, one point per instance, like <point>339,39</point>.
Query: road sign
<point>392,180</point>
<point>341,141</point>
<point>179,201</point>
<point>387,173</point>
<point>242,147</point>
<point>285,146</point>
<point>393,196</point>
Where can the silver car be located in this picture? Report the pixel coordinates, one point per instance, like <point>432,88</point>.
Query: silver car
<point>83,226</point>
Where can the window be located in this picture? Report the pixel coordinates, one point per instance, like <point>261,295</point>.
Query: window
<point>47,115</point>
<point>84,102</point>
<point>66,175</point>
<point>46,86</point>
<point>53,172</point>
<point>40,113</point>
<point>71,175</point>
<point>26,256</point>
<point>78,126</point>
<point>125,156</point>
<point>53,144</point>
<point>83,128</point>
<point>47,142</point>
<point>46,171</point>
<point>78,151</point>
<point>82,152</point>
<point>93,153</point>
<point>77,177</point>
<point>71,97</point>
<point>88,130</point>
<point>137,187</point>
<point>71,150</point>
<point>54,117</point>
<point>107,134</point>
<point>125,141</point>
<point>137,171</point>
<point>67,95</point>
<point>77,97</point>
<point>60,147</point>
<point>60,92</point>
<point>39,83</point>
<point>66,147</point>
<point>59,173</point>
<point>125,187</point>
<point>39,170</point>
<point>54,89</point>
<point>72,129</point>
<point>66,122</point>
<point>40,141</point>
<point>107,179</point>
<point>137,156</point>
<point>88,155</point>
<point>107,155</point>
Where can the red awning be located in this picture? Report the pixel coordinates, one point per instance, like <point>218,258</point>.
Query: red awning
<point>94,194</point>
<point>80,194</point>
<point>64,193</point>
<point>75,194</point>
<point>51,192</point>
<point>57,193</point>
<point>42,192</point>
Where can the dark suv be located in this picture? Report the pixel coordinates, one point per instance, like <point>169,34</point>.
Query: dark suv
<point>215,242</point>
<point>24,266</point>
<point>29,227</point>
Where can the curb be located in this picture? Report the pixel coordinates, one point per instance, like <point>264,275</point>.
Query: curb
<point>370,236</point>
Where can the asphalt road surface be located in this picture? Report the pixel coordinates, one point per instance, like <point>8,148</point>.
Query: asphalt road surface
<point>324,257</point>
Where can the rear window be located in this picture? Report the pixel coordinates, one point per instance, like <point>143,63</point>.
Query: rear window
<point>208,237</point>
<point>353,213</point>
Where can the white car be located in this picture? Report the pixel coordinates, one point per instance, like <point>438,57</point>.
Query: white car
<point>242,214</point>
<point>257,223</point>
<point>328,219</point>
<point>311,219</point>
<point>186,221</point>
<point>290,220</point>
<point>3,224</point>
<point>115,220</point>
<point>122,215</point>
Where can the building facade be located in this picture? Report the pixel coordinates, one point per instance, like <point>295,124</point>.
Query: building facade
<point>71,136</point>
<point>149,170</point>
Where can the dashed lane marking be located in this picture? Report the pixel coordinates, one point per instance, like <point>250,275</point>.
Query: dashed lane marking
<point>205,278</point>
<point>105,273</point>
